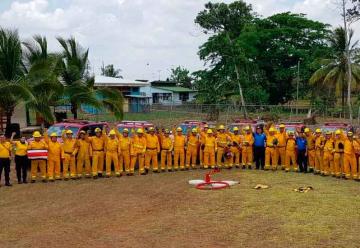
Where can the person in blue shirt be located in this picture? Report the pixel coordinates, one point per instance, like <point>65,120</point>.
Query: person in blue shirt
<point>301,145</point>
<point>259,148</point>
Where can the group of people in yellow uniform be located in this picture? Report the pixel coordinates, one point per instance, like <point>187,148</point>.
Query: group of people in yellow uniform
<point>329,154</point>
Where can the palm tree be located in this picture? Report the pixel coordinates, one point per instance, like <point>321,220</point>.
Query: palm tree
<point>333,70</point>
<point>11,73</point>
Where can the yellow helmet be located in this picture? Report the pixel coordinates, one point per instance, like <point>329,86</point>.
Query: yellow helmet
<point>282,125</point>
<point>206,126</point>
<point>167,131</point>
<point>97,130</point>
<point>53,134</point>
<point>236,129</point>
<point>291,133</point>
<point>69,132</point>
<point>307,130</point>
<point>140,131</point>
<point>221,127</point>
<point>338,131</point>
<point>151,129</point>
<point>112,132</point>
<point>36,134</point>
<point>125,130</point>
<point>83,132</point>
<point>209,131</point>
<point>272,129</point>
<point>328,133</point>
<point>246,128</point>
<point>179,129</point>
<point>318,130</point>
<point>350,134</point>
<point>194,130</point>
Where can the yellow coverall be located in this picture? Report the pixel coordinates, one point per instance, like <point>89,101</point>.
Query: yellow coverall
<point>38,163</point>
<point>280,148</point>
<point>310,142</point>
<point>270,153</point>
<point>350,163</point>
<point>69,151</point>
<point>319,146</point>
<point>290,155</point>
<point>337,168</point>
<point>112,150</point>
<point>192,150</point>
<point>247,150</point>
<point>179,151</point>
<point>97,145</point>
<point>137,152</point>
<point>54,158</point>
<point>236,149</point>
<point>124,161</point>
<point>222,140</point>
<point>328,157</point>
<point>152,151</point>
<point>83,157</point>
<point>209,151</point>
<point>166,149</point>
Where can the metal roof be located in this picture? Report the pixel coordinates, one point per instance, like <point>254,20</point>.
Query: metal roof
<point>175,89</point>
<point>118,82</point>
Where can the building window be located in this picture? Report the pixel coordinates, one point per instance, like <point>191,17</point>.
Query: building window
<point>161,97</point>
<point>184,96</point>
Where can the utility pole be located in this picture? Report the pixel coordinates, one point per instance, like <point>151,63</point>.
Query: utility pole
<point>297,87</point>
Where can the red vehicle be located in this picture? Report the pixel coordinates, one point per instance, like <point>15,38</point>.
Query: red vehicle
<point>187,125</point>
<point>240,123</point>
<point>292,126</point>
<point>333,126</point>
<point>133,125</point>
<point>76,126</point>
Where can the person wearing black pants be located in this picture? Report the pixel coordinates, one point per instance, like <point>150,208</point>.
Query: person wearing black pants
<point>21,165</point>
<point>259,148</point>
<point>302,152</point>
<point>5,149</point>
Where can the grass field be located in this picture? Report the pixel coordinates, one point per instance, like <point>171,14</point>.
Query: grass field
<point>162,210</point>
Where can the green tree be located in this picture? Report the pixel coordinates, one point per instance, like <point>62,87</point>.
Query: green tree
<point>181,76</point>
<point>110,71</point>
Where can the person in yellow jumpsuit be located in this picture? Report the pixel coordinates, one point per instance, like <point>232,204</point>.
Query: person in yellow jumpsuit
<point>236,147</point>
<point>270,151</point>
<point>210,148</point>
<point>38,144</point>
<point>290,156</point>
<point>203,134</point>
<point>328,156</point>
<point>137,151</point>
<point>280,148</point>
<point>310,142</point>
<point>112,150</point>
<point>337,168</point>
<point>223,140</point>
<point>350,163</point>
<point>83,156</point>
<point>5,153</point>
<point>166,150</point>
<point>247,148</point>
<point>69,151</point>
<point>54,156</point>
<point>192,146</point>
<point>179,149</point>
<point>319,150</point>
<point>97,144</point>
<point>124,156</point>
<point>152,151</point>
<point>21,159</point>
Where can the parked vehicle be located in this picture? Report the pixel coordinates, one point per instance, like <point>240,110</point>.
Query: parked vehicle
<point>187,125</point>
<point>292,126</point>
<point>333,126</point>
<point>133,125</point>
<point>241,123</point>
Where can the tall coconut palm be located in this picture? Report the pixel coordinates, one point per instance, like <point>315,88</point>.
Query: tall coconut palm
<point>11,73</point>
<point>333,70</point>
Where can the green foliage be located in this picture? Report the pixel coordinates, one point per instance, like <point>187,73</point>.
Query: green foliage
<point>181,76</point>
<point>110,71</point>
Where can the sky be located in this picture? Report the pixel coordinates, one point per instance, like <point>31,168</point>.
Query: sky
<point>144,38</point>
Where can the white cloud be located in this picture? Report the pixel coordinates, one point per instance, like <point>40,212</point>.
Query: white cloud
<point>134,33</point>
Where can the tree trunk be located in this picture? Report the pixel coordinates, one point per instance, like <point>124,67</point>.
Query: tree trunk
<point>240,91</point>
<point>8,114</point>
<point>74,110</point>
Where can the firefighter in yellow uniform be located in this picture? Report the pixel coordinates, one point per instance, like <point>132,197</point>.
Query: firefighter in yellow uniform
<point>203,135</point>
<point>179,149</point>
<point>5,153</point>
<point>310,142</point>
<point>112,150</point>
<point>290,156</point>
<point>192,146</point>
<point>137,151</point>
<point>124,156</point>
<point>236,147</point>
<point>328,156</point>
<point>270,151</point>
<point>210,148</point>
<point>166,150</point>
<point>222,140</point>
<point>38,144</point>
<point>336,170</point>
<point>54,156</point>
<point>247,148</point>
<point>280,148</point>
<point>69,151</point>
<point>350,163</point>
<point>97,144</point>
<point>152,151</point>
<point>83,156</point>
<point>319,148</point>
